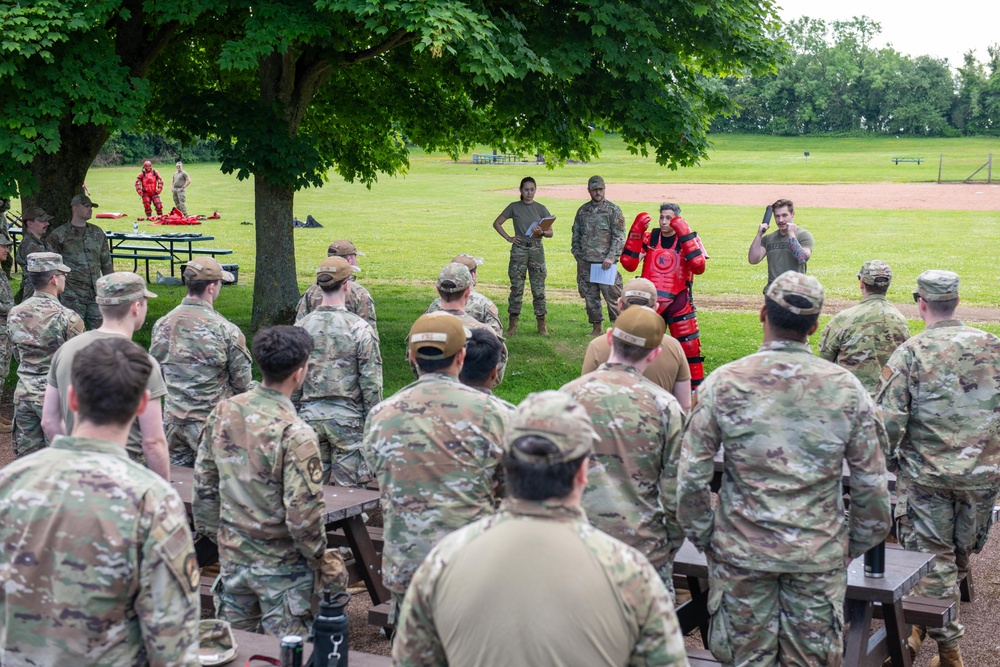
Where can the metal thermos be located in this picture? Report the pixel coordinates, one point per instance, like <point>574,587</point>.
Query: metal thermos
<point>875,561</point>
<point>331,630</point>
<point>291,651</point>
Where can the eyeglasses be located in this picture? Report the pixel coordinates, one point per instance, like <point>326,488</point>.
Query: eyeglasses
<point>916,297</point>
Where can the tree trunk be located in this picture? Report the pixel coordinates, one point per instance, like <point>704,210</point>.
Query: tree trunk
<point>275,288</point>
<point>59,176</point>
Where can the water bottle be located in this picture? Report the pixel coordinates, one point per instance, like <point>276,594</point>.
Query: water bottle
<point>330,632</point>
<point>135,227</point>
<point>875,561</point>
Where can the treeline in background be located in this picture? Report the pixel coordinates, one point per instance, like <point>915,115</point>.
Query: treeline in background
<point>834,82</point>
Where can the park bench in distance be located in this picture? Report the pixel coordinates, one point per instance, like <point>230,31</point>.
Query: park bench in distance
<point>897,160</point>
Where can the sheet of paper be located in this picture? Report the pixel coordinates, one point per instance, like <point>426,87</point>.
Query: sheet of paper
<point>601,277</point>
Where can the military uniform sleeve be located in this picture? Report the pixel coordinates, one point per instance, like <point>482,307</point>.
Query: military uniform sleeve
<point>238,364</point>
<point>167,601</point>
<point>701,440</point>
<point>370,367</point>
<point>417,643</point>
<point>205,502</point>
<point>829,342</point>
<point>659,641</point>
<point>494,429</point>
<point>107,266</point>
<point>577,242</point>
<point>590,362</point>
<point>74,325</point>
<point>303,489</point>
<point>672,420</point>
<point>893,400</point>
<point>617,235</point>
<point>869,515</point>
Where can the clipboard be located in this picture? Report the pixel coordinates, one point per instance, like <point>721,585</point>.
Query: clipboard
<point>545,224</point>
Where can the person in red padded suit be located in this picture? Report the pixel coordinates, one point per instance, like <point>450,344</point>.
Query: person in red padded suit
<point>672,256</point>
<point>149,185</point>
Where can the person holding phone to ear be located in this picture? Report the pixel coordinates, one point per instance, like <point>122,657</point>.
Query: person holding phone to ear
<point>787,249</point>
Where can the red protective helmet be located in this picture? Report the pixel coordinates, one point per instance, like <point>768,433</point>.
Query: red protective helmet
<point>147,163</point>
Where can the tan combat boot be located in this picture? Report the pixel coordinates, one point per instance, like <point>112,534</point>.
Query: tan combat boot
<point>913,643</point>
<point>950,656</point>
<point>542,329</point>
<point>598,329</point>
<point>512,326</point>
<point>6,426</point>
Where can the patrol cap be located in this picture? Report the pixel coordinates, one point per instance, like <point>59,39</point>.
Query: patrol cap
<point>121,287</point>
<point>468,261</point>
<point>937,285</point>
<point>40,262</point>
<point>206,268</point>
<point>35,213</point>
<point>640,326</point>
<point>557,417</point>
<point>454,277</point>
<point>875,272</point>
<point>216,645</point>
<point>799,284</point>
<point>82,199</point>
<point>342,248</point>
<point>642,289</point>
<point>333,270</point>
<point>437,335</point>
<point>595,182</point>
<point>5,239</point>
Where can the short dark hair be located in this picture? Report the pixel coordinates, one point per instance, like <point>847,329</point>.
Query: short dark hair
<point>281,350</point>
<point>877,289</point>
<point>108,378</point>
<point>451,297</point>
<point>535,481</point>
<point>783,202</point>
<point>328,287</point>
<point>434,365</point>
<point>787,324</point>
<point>941,308</point>
<point>40,279</point>
<point>670,206</point>
<point>197,288</point>
<point>117,311</point>
<point>482,354</point>
<point>633,354</point>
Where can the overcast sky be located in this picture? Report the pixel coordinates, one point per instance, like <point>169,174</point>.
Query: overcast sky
<point>915,27</point>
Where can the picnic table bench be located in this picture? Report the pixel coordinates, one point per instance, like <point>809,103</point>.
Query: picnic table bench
<point>176,248</point>
<point>897,160</point>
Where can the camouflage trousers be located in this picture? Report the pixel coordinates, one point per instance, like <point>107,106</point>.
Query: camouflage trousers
<point>280,603</point>
<point>592,293</point>
<point>182,440</point>
<point>772,618</point>
<point>155,199</point>
<point>28,434</point>
<point>83,304</point>
<point>340,441</point>
<point>951,524</point>
<point>5,353</point>
<point>180,199</point>
<point>527,258</point>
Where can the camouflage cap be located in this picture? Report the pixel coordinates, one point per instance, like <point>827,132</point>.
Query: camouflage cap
<point>595,182</point>
<point>342,248</point>
<point>640,326</point>
<point>875,272</point>
<point>468,261</point>
<point>121,287</point>
<point>206,268</point>
<point>333,270</point>
<point>40,262</point>
<point>937,285</point>
<point>437,335</point>
<point>639,292</point>
<point>799,284</point>
<point>557,417</point>
<point>454,277</point>
<point>5,238</point>
<point>216,645</point>
<point>35,213</point>
<point>82,199</point>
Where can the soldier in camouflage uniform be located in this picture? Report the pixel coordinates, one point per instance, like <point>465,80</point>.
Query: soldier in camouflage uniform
<point>632,491</point>
<point>358,300</point>
<point>478,306</point>
<point>534,560</point>
<point>862,337</point>
<point>482,365</point>
<point>344,381</point>
<point>84,248</point>
<point>98,566</point>
<point>435,449</point>
<point>34,222</point>
<point>6,303</point>
<point>598,238</point>
<point>204,358</point>
<point>778,541</point>
<point>938,396</point>
<point>259,494</point>
<point>37,327</point>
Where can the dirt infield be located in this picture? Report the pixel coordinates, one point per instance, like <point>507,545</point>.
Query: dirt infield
<point>925,196</point>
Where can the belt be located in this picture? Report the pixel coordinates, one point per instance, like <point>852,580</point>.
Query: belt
<point>531,242</point>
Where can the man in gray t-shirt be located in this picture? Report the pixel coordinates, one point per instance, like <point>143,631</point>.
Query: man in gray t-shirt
<point>787,249</point>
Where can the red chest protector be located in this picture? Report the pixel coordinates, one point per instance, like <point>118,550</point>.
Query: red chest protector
<point>149,181</point>
<point>665,268</point>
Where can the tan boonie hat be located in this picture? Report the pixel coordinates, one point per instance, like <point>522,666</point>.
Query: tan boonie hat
<point>206,268</point>
<point>5,239</point>
<point>216,645</point>
<point>595,182</point>
<point>333,270</point>
<point>35,213</point>
<point>640,326</point>
<point>82,199</point>
<point>437,335</point>
<point>121,287</point>
<point>937,285</point>
<point>875,272</point>
<point>557,417</point>
<point>799,284</point>
<point>640,288</point>
<point>40,262</point>
<point>454,277</point>
<point>342,248</point>
<point>468,261</point>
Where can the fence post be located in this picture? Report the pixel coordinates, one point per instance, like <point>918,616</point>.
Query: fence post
<point>940,162</point>
<point>989,170</point>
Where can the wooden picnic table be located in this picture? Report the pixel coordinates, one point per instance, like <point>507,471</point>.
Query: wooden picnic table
<point>249,644</point>
<point>344,507</point>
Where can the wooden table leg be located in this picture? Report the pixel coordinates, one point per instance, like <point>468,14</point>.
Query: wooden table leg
<point>364,552</point>
<point>694,613</point>
<point>858,615</point>
<point>896,634</point>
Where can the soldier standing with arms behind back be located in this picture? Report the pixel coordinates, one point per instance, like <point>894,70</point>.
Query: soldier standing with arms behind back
<point>6,303</point>
<point>598,238</point>
<point>84,249</point>
<point>34,222</point>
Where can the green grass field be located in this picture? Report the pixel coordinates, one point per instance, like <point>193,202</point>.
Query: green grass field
<point>410,225</point>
